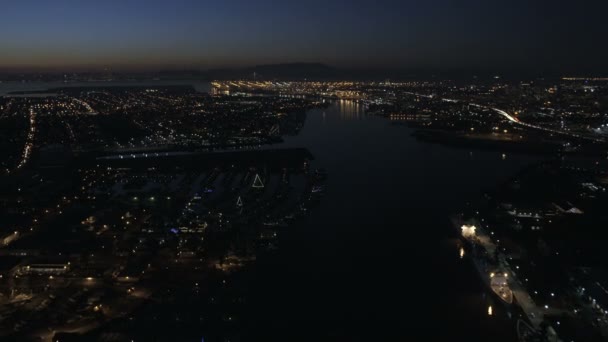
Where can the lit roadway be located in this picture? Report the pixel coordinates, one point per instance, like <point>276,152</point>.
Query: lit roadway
<point>29,142</point>
<point>573,135</point>
<point>85,105</point>
<point>516,120</point>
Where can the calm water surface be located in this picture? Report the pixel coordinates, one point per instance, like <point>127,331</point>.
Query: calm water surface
<point>378,258</point>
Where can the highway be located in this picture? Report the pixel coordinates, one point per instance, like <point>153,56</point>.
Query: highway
<point>515,120</point>
<point>84,104</point>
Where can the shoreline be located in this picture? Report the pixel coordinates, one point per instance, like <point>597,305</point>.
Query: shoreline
<point>459,140</point>
<point>522,301</point>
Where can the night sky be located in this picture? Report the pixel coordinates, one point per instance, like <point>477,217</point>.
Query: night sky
<point>440,34</point>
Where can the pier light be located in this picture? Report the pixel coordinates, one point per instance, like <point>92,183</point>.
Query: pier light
<point>490,311</point>
<point>468,231</point>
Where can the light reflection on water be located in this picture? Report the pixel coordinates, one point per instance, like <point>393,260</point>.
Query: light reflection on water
<point>350,110</point>
<point>380,244</point>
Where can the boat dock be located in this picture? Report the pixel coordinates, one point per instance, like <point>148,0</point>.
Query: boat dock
<point>483,239</point>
